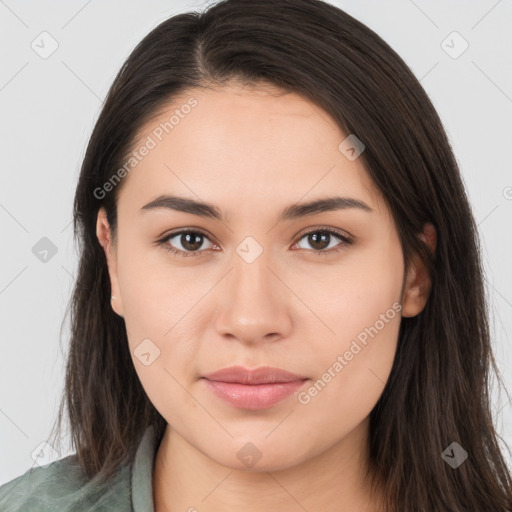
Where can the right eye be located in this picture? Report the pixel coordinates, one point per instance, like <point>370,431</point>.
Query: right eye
<point>189,240</point>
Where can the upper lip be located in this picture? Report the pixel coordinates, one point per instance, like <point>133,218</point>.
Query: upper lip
<point>262,375</point>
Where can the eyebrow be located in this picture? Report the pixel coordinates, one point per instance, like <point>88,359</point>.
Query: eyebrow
<point>294,211</point>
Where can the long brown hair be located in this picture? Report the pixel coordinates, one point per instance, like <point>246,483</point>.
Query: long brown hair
<point>438,390</point>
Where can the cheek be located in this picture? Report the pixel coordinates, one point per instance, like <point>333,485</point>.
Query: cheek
<point>352,363</point>
<point>361,295</point>
<point>158,298</point>
<point>164,365</point>
<point>351,375</point>
<point>159,323</point>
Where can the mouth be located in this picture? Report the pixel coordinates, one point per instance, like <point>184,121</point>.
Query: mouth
<point>259,388</point>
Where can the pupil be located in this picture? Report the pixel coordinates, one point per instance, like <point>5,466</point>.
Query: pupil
<point>192,241</point>
<point>324,242</point>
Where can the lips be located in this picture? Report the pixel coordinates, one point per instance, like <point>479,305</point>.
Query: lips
<point>259,388</point>
<point>262,375</point>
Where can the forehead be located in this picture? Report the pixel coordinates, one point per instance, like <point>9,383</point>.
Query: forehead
<point>239,143</point>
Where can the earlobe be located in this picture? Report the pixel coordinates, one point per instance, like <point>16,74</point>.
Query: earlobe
<point>416,292</point>
<point>104,234</point>
<point>418,282</point>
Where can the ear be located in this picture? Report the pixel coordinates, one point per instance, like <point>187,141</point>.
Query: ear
<point>418,284</point>
<point>104,235</point>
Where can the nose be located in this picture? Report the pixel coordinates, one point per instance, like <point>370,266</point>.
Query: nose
<point>253,303</point>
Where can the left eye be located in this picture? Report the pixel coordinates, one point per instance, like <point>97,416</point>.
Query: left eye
<point>192,241</point>
<point>320,237</point>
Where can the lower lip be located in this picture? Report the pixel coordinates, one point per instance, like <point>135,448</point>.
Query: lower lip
<point>253,396</point>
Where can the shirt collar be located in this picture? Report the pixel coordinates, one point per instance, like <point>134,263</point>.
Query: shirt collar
<point>142,473</point>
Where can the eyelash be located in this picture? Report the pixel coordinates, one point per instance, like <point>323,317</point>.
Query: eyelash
<point>163,242</point>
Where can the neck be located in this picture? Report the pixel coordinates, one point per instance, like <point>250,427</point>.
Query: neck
<point>185,479</point>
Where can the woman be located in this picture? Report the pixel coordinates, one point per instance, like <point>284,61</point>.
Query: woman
<point>280,300</point>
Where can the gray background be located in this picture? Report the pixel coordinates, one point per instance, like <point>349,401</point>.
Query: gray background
<point>48,107</point>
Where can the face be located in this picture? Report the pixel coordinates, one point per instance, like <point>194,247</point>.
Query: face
<point>316,292</point>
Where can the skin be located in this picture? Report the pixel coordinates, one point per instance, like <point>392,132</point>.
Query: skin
<point>252,152</point>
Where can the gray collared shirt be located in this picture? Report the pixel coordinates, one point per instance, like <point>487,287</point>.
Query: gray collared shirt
<point>61,486</point>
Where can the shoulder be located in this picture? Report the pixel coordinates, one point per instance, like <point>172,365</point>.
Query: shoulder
<point>61,487</point>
